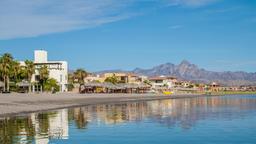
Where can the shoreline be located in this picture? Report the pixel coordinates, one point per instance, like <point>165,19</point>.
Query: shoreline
<point>15,104</point>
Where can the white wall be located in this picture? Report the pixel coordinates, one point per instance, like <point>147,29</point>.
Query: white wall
<point>166,82</point>
<point>61,75</point>
<point>40,56</point>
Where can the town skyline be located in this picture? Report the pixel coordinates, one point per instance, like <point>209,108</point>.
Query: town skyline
<point>217,35</point>
<point>133,69</point>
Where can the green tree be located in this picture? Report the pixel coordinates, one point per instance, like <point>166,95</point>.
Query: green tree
<point>147,82</point>
<point>43,75</point>
<point>5,69</point>
<point>15,71</point>
<point>70,81</point>
<point>22,74</point>
<point>113,79</point>
<point>30,70</point>
<point>50,84</point>
<point>80,75</point>
<point>71,78</point>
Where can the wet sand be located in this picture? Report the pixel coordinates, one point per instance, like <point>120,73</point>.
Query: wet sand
<point>15,104</point>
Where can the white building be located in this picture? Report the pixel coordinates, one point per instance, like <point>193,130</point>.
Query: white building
<point>57,69</point>
<point>162,82</point>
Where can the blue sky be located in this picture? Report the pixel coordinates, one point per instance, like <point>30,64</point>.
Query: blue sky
<point>218,35</point>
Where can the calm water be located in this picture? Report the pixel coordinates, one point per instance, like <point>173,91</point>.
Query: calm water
<point>208,120</point>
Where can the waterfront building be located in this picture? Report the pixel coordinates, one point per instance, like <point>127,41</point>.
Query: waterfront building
<point>58,70</point>
<point>162,82</point>
<point>215,87</point>
<point>94,78</point>
<point>124,77</point>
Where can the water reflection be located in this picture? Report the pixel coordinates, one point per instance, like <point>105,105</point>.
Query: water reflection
<point>35,127</point>
<point>40,128</point>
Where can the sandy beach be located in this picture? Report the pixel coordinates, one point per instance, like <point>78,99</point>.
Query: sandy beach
<point>14,103</point>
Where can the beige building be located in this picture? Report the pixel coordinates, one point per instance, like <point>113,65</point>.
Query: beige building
<point>215,87</point>
<point>124,77</point>
<point>94,78</point>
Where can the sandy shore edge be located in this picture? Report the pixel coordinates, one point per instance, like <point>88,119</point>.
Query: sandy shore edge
<point>17,104</point>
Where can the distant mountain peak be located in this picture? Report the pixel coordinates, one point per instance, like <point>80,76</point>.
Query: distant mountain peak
<point>188,71</point>
<point>168,63</point>
<point>185,62</point>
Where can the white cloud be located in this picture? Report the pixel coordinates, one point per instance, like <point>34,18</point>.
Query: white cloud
<point>30,18</point>
<point>25,18</point>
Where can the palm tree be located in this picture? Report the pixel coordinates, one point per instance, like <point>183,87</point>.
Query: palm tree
<point>71,78</point>
<point>15,70</point>
<point>80,74</point>
<point>43,75</point>
<point>30,70</point>
<point>5,68</point>
<point>70,81</point>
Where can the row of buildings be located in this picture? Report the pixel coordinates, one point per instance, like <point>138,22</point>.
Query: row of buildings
<point>162,83</point>
<point>131,78</point>
<point>128,82</point>
<point>138,83</point>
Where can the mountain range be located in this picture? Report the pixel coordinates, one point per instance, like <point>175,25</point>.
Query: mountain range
<point>187,71</point>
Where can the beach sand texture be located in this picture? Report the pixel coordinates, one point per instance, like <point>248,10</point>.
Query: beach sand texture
<point>15,103</point>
